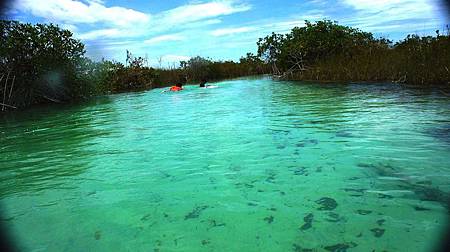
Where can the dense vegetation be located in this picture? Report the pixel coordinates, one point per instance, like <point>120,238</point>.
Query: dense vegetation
<point>326,51</point>
<point>40,62</point>
<point>43,63</point>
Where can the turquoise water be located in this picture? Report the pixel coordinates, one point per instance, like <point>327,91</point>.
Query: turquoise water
<point>254,165</point>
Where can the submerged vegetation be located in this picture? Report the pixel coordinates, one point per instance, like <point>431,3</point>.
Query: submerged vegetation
<point>43,63</point>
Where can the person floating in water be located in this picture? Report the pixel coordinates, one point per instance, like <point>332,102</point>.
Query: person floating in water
<point>203,84</point>
<point>177,87</point>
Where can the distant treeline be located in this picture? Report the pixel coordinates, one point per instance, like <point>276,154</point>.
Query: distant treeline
<point>326,51</point>
<point>43,63</point>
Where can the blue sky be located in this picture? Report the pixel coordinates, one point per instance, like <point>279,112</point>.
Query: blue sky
<point>167,31</point>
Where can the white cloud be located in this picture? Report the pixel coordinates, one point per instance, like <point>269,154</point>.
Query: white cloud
<point>71,11</point>
<point>230,31</point>
<point>385,10</point>
<point>164,38</point>
<point>103,33</point>
<point>195,12</point>
<point>97,1</point>
<point>377,5</point>
<point>119,22</point>
<point>70,27</point>
<point>392,15</point>
<point>202,23</point>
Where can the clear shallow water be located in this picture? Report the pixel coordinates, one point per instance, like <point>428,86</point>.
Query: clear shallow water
<point>254,165</point>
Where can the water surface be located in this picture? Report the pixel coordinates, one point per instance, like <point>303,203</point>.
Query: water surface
<point>254,165</point>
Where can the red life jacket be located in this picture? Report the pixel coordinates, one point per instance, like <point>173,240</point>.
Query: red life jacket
<point>175,88</point>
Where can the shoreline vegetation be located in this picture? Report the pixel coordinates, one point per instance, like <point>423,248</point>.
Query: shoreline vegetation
<point>327,51</point>
<point>43,63</point>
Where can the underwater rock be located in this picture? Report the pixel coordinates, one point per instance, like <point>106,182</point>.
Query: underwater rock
<point>341,247</point>
<point>383,170</point>
<point>195,212</point>
<point>272,209</point>
<point>427,193</point>
<point>298,248</point>
<point>363,212</point>
<point>271,176</point>
<point>165,174</point>
<point>308,222</point>
<point>419,208</point>
<point>425,182</point>
<point>306,226</point>
<point>301,171</point>
<point>309,217</point>
<point>269,219</point>
<point>423,190</point>
<point>206,242</point>
<point>91,193</point>
<point>98,234</point>
<point>327,203</point>
<point>251,204</point>
<point>313,141</point>
<point>214,223</point>
<point>146,217</point>
<point>212,180</point>
<point>247,185</point>
<point>381,222</point>
<point>355,192</point>
<point>385,196</point>
<point>307,142</point>
<point>377,232</point>
<point>334,217</point>
<point>343,133</point>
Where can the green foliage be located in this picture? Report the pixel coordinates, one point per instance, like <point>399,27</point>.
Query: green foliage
<point>48,65</point>
<point>253,65</point>
<point>422,60</point>
<point>328,51</point>
<point>45,60</point>
<point>199,68</point>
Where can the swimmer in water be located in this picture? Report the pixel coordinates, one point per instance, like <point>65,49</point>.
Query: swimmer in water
<point>203,84</point>
<point>176,88</point>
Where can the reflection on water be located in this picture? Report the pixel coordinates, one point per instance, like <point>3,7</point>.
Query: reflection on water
<point>254,165</point>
